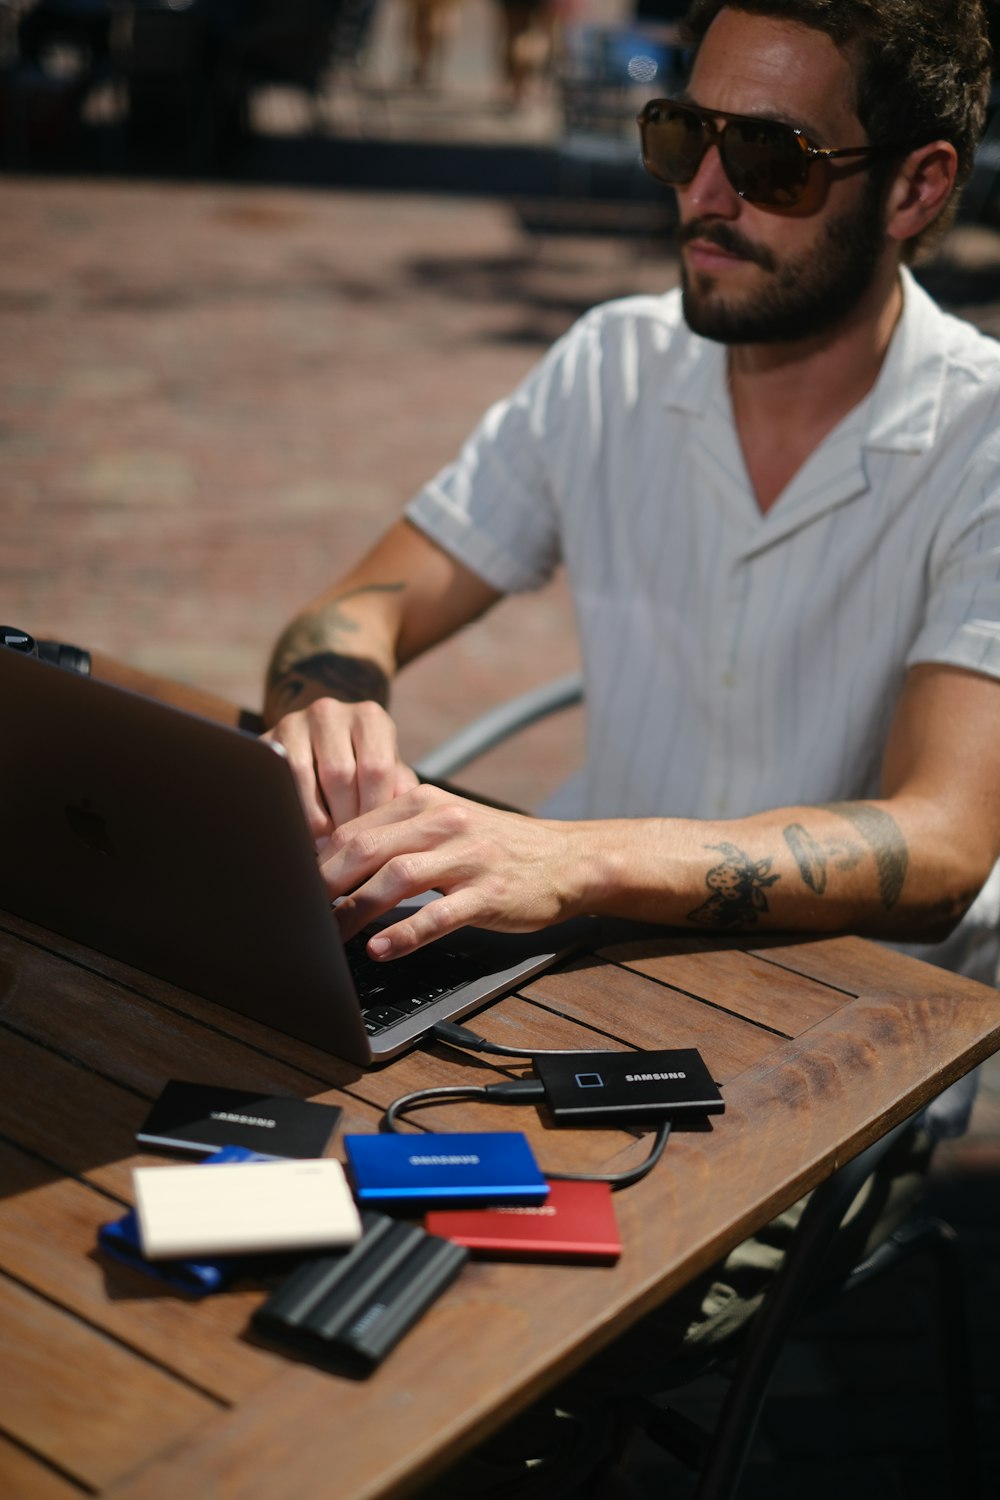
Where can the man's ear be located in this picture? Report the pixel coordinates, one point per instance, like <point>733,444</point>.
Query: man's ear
<point>920,189</point>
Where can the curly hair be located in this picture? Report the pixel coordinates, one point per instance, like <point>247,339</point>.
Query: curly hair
<point>924,68</point>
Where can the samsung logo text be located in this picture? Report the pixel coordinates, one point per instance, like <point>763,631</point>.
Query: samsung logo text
<point>444,1161</point>
<point>225,1114</point>
<point>653,1077</point>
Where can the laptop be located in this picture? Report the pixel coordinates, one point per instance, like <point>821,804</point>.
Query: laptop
<point>178,846</point>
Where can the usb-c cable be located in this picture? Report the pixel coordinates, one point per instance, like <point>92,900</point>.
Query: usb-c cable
<point>514,1091</point>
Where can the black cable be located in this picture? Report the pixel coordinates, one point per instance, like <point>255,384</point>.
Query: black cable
<point>618,1180</point>
<point>524,1091</point>
<point>410,1101</point>
<point>512,1091</point>
<point>460,1036</point>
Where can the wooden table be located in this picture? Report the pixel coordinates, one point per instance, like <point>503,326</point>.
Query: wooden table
<point>110,1385</point>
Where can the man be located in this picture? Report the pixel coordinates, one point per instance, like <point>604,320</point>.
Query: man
<point>779,522</point>
<point>777,498</point>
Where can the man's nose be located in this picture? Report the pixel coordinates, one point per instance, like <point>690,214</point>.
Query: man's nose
<point>710,192</point>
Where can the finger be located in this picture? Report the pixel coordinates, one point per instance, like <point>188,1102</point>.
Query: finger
<point>376,756</point>
<point>421,819</point>
<point>291,738</point>
<point>436,920</point>
<point>334,761</point>
<point>415,800</point>
<point>391,883</point>
<point>406,779</point>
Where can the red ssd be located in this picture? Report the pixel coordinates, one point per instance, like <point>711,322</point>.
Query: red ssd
<point>576,1222</point>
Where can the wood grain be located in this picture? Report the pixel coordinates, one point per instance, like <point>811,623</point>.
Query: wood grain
<point>84,1401</point>
<point>48,1242</point>
<point>23,1476</point>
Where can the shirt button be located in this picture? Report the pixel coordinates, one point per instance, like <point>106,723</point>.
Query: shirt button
<point>728,679</point>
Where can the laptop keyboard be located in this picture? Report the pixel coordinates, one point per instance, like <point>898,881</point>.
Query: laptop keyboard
<point>390,991</point>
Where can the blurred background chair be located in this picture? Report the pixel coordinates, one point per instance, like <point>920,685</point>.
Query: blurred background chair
<point>499,724</point>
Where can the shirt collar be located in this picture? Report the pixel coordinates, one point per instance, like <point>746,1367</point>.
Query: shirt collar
<point>903,413</point>
<point>906,399</point>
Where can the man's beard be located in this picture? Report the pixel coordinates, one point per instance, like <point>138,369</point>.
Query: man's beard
<point>801,297</point>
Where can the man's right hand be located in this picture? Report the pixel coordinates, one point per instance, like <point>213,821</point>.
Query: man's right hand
<point>345,760</point>
<point>328,678</point>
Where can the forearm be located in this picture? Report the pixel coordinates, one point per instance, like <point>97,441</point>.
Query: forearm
<point>401,599</point>
<point>338,648</point>
<point>853,866</point>
<point>906,865</point>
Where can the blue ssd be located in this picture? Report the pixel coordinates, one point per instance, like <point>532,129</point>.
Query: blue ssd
<point>417,1170</point>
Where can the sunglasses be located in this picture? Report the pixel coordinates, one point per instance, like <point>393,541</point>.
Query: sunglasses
<point>768,163</point>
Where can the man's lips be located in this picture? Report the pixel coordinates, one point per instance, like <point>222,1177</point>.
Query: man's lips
<point>710,246</point>
<point>703,255</point>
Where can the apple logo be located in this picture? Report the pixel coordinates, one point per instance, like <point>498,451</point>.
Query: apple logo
<point>90,827</point>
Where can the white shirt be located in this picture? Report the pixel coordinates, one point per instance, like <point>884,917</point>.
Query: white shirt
<point>736,661</point>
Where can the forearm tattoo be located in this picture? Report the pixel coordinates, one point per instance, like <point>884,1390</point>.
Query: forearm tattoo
<point>737,885</point>
<point>307,654</point>
<point>880,832</point>
<point>884,837</point>
<point>352,679</point>
<point>814,858</point>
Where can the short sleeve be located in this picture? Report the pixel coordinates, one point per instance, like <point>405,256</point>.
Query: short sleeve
<point>496,507</point>
<point>961,625</point>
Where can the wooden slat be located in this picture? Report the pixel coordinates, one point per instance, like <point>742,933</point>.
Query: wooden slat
<point>83,1123</point>
<point>92,1016</point>
<point>857,966</point>
<point>745,984</point>
<point>82,1401</point>
<point>48,1241</point>
<point>24,1477</point>
<point>631,1007</point>
<point>518,1021</point>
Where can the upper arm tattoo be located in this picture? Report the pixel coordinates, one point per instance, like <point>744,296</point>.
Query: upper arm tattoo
<point>737,884</point>
<point>884,837</point>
